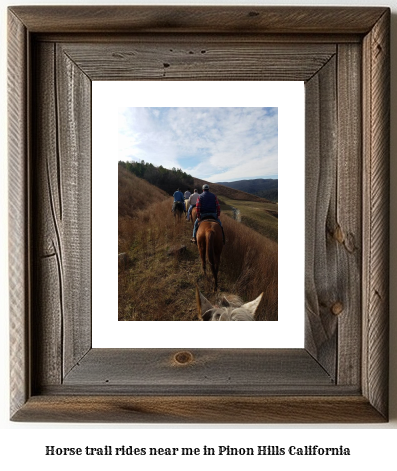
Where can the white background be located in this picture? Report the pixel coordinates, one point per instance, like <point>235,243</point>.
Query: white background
<point>288,332</point>
<point>23,444</point>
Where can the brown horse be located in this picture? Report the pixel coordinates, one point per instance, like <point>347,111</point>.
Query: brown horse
<point>193,215</point>
<point>177,209</point>
<point>210,244</point>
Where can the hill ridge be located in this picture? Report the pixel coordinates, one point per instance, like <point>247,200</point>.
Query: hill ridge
<point>231,193</point>
<point>266,188</point>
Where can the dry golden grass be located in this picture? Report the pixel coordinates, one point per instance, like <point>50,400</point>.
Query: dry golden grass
<point>258,215</point>
<point>250,264</point>
<point>158,281</point>
<point>135,193</point>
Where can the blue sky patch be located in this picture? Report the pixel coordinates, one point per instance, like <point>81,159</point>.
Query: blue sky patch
<point>214,144</point>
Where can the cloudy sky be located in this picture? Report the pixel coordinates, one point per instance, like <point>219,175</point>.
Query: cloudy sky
<point>214,144</point>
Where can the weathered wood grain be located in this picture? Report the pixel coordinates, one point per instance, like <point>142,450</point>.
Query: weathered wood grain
<point>193,59</point>
<point>244,37</point>
<point>206,369</point>
<point>19,223</point>
<point>199,409</point>
<point>321,261</point>
<point>199,19</point>
<point>347,226</point>
<point>342,374</point>
<point>74,135</point>
<point>46,205</point>
<point>62,208</point>
<point>376,105</point>
<point>333,215</point>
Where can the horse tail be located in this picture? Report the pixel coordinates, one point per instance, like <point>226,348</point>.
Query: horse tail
<point>210,247</point>
<point>211,253</point>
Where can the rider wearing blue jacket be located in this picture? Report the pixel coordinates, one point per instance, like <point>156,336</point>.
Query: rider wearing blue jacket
<point>178,198</point>
<point>207,206</point>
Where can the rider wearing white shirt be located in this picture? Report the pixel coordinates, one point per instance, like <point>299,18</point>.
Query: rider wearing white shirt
<point>192,203</point>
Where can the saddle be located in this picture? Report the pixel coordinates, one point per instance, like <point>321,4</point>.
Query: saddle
<point>208,216</point>
<point>211,218</point>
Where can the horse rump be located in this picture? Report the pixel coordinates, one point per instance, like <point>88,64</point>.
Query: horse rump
<point>177,206</point>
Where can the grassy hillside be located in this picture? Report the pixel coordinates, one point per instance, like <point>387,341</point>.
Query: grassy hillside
<point>159,278</point>
<point>135,193</point>
<point>259,215</point>
<point>164,178</point>
<point>255,212</point>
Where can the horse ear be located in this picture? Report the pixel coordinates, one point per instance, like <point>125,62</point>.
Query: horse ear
<point>207,316</point>
<point>225,302</point>
<point>203,305</point>
<point>252,306</point>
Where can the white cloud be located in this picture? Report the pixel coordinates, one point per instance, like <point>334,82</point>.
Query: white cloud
<point>209,143</point>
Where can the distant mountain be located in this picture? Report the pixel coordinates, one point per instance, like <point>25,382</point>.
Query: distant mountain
<point>263,187</point>
<point>223,190</point>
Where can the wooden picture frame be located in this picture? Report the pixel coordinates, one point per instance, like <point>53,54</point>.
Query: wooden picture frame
<point>342,54</point>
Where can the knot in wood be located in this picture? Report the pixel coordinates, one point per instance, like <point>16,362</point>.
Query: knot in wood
<point>183,358</point>
<point>338,235</point>
<point>337,308</point>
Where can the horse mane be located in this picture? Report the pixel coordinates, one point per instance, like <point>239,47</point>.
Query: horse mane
<point>228,314</point>
<point>229,299</point>
<point>229,307</point>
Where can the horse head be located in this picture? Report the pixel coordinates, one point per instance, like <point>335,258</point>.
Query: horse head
<point>231,308</point>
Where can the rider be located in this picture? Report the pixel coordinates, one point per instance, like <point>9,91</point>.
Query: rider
<point>207,206</point>
<point>186,195</point>
<point>178,198</point>
<point>192,202</point>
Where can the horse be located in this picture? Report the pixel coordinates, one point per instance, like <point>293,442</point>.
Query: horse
<point>231,308</point>
<point>210,244</point>
<point>193,215</point>
<point>177,209</point>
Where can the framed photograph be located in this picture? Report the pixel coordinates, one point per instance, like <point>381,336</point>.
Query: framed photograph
<point>205,126</point>
<point>340,375</point>
<point>191,150</point>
